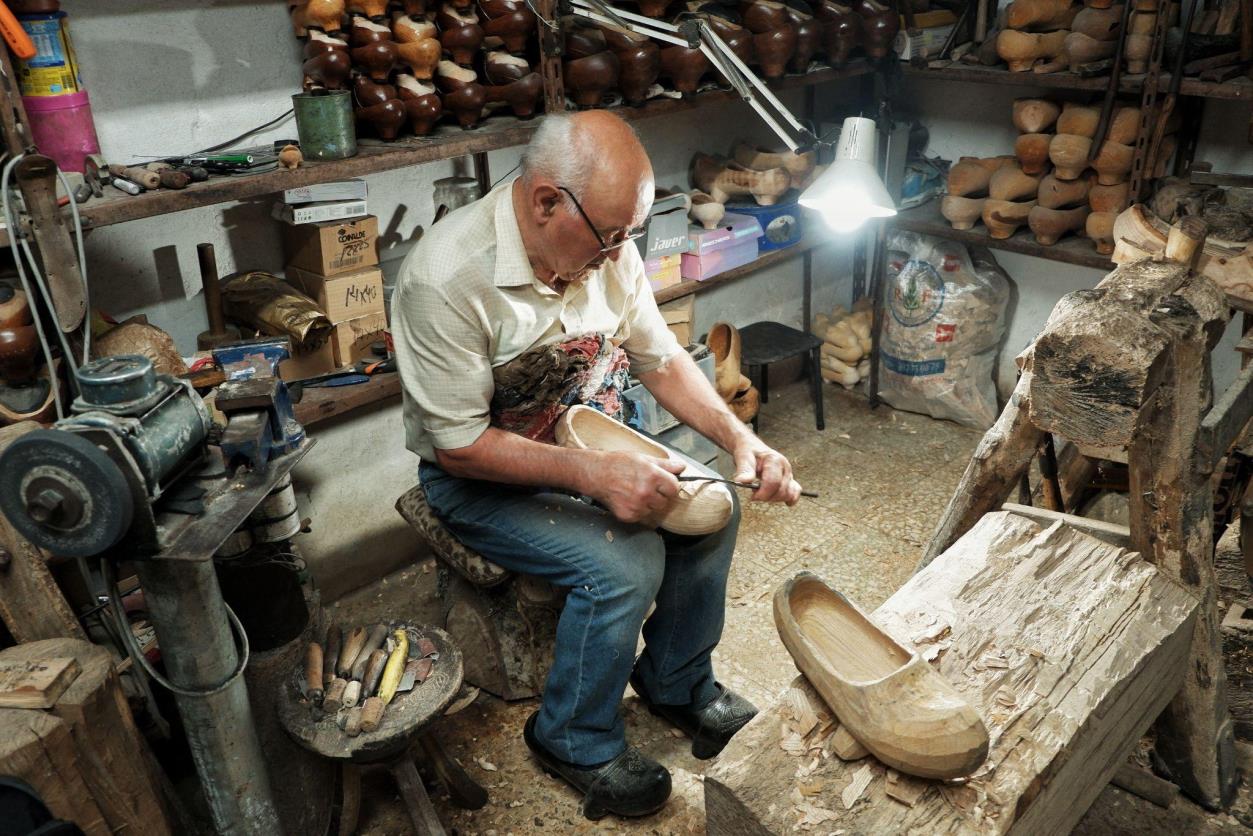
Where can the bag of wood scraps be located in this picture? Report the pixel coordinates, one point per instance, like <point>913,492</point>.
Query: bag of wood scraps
<point>944,317</point>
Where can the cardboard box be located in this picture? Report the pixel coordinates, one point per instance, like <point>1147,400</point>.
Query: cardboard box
<point>342,297</point>
<point>702,267</point>
<point>305,364</point>
<point>339,190</point>
<point>664,271</point>
<point>927,44</point>
<point>352,338</point>
<point>667,228</point>
<point>678,316</point>
<point>713,251</point>
<point>311,213</point>
<point>334,247</point>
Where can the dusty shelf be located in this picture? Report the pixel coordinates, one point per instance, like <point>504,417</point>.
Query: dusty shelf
<point>687,287</point>
<point>1240,89</point>
<point>1071,250</point>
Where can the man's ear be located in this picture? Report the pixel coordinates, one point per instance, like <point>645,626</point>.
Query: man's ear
<point>544,202</point>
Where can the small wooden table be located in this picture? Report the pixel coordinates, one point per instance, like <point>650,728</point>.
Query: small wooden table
<point>405,727</point>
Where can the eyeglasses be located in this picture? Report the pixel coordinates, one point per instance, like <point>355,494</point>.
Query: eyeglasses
<point>616,240</point>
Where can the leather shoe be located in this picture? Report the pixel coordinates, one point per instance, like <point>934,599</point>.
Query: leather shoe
<point>631,784</point>
<point>711,727</point>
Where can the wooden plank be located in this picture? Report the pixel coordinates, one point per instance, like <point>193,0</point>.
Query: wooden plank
<point>763,261</point>
<point>1071,250</point>
<point>36,683</point>
<point>31,604</point>
<point>116,765</point>
<point>1225,421</point>
<point>37,748</point>
<point>1144,784</point>
<point>328,401</point>
<point>1066,646</point>
<point>1115,535</point>
<point>1237,89</point>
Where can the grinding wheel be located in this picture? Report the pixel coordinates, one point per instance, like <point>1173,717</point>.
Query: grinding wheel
<point>64,493</point>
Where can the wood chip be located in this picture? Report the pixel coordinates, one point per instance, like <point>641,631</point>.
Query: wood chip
<point>845,746</point>
<point>905,788</point>
<point>856,787</point>
<point>802,711</point>
<point>793,744</point>
<point>484,763</point>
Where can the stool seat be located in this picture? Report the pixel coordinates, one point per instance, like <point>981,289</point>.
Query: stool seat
<point>472,566</point>
<point>763,343</point>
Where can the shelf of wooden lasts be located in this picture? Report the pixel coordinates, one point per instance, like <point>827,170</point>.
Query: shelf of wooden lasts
<point>1239,89</point>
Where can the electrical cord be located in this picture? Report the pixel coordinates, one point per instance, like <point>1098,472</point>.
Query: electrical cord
<point>137,655</point>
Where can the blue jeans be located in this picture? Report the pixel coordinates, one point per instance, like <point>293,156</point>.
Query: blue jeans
<point>614,571</point>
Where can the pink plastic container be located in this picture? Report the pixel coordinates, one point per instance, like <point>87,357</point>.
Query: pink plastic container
<point>62,128</point>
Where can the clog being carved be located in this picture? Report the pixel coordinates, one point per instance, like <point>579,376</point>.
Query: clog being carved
<point>723,179</point>
<point>889,699</point>
<point>699,508</point>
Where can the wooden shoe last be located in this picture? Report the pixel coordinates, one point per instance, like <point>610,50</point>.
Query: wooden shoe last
<point>889,699</point>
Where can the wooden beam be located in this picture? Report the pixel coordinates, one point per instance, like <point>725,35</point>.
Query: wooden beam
<point>1066,646</point>
<point>1224,422</point>
<point>1115,535</point>
<point>31,604</point>
<point>1145,784</point>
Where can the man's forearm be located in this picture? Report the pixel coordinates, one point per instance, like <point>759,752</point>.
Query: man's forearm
<point>682,388</point>
<point>501,456</point>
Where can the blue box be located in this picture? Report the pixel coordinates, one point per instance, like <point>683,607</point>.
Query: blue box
<point>782,224</point>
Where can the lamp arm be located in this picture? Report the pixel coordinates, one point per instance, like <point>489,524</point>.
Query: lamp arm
<point>696,33</point>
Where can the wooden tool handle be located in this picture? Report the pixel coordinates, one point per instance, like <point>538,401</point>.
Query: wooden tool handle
<point>173,179</point>
<point>348,652</point>
<point>142,176</point>
<point>352,694</point>
<point>333,699</point>
<point>212,291</point>
<point>334,637</point>
<point>373,672</point>
<point>373,643</point>
<point>372,714</point>
<point>313,672</point>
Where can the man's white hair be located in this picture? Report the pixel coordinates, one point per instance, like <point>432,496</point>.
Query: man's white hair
<point>560,153</point>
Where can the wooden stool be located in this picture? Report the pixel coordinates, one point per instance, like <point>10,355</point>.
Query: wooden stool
<point>763,343</point>
<point>406,725</point>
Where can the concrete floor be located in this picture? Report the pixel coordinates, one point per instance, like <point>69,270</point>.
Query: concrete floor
<point>883,478</point>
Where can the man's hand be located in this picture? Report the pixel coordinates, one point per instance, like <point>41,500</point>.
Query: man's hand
<point>632,485</point>
<point>754,460</point>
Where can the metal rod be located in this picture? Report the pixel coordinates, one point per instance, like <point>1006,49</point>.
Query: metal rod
<point>198,649</point>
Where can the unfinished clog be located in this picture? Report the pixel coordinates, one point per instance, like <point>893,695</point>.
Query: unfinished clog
<point>1021,50</point>
<point>1040,14</point>
<point>1051,224</point>
<point>1100,228</point>
<point>745,405</point>
<point>1055,193</point>
<point>724,179</point>
<point>724,342</point>
<point>962,212</point>
<point>1113,162</point>
<point>1034,116</point>
<point>1032,151</point>
<point>1069,154</point>
<point>799,166</point>
<point>888,698</point>
<point>1077,119</point>
<point>705,210</point>
<point>1003,217</point>
<point>1113,198</point>
<point>1012,183</point>
<point>699,508</point>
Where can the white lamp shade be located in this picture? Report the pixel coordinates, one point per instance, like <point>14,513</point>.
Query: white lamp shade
<point>850,192</point>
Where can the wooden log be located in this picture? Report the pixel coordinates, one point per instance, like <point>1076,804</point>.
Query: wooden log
<point>1100,356</point>
<point>1144,784</point>
<point>1237,633</point>
<point>1067,646</point>
<point>117,767</point>
<point>32,606</point>
<point>1003,454</point>
<point>36,747</point>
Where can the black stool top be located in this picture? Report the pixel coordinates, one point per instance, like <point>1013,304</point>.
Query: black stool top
<point>763,343</point>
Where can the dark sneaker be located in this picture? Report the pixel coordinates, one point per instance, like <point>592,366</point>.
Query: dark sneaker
<point>711,727</point>
<point>631,784</point>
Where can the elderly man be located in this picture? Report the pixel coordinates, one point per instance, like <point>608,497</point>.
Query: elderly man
<point>507,312</point>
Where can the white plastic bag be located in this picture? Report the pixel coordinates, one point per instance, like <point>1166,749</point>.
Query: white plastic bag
<point>944,316</point>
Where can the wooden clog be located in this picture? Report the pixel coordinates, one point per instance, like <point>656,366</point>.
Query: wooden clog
<point>774,50</point>
<point>699,508</point>
<point>841,31</point>
<point>880,23</point>
<point>462,94</point>
<point>1069,154</point>
<point>808,36</point>
<point>386,118</point>
<point>459,33</point>
<point>582,41</point>
<point>423,105</point>
<point>799,166</point>
<point>1032,151</point>
<point>376,59</point>
<point>366,31</point>
<point>492,9</point>
<point>1041,15</point>
<point>683,67</point>
<point>588,79</point>
<point>889,699</point>
<point>19,353</point>
<point>413,8</point>
<point>1051,224</point>
<point>968,177</point>
<point>327,15</point>
<point>1082,49</point>
<point>406,29</point>
<point>724,341</point>
<point>1012,183</point>
<point>1113,162</point>
<point>654,8</point>
<point>1034,116</point>
<point>1021,50</point>
<point>514,31</point>
<point>328,71</point>
<point>764,15</point>
<point>705,210</point>
<point>723,22</point>
<point>320,43</point>
<point>521,96</point>
<point>366,92</point>
<point>499,67</point>
<point>1136,52</point>
<point>1112,199</point>
<point>1055,193</point>
<point>421,57</point>
<point>1080,120</point>
<point>14,309</point>
<point>962,212</point>
<point>1098,24</point>
<point>1100,228</point>
<point>724,179</point>
<point>1003,217</point>
<point>1124,127</point>
<point>638,69</point>
<point>368,8</point>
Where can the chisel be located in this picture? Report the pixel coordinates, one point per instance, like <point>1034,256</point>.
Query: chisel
<point>750,485</point>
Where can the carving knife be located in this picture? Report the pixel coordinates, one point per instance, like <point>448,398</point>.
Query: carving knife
<point>750,485</point>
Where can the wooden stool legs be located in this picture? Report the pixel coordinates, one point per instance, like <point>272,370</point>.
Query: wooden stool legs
<point>414,795</point>
<point>463,790</point>
<point>350,797</point>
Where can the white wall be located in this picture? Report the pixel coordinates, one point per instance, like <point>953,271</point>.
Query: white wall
<point>174,76</point>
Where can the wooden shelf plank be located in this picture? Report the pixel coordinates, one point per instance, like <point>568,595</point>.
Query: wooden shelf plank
<point>1237,89</point>
<point>1070,250</point>
<point>328,401</point>
<point>687,287</point>
<point>374,156</point>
